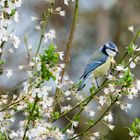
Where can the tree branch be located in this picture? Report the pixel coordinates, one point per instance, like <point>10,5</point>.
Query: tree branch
<point>68,48</point>
<point>86,130</point>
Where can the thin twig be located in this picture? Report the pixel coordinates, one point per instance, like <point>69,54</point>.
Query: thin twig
<point>27,47</point>
<point>5,131</point>
<point>68,48</point>
<point>11,104</point>
<point>130,44</point>
<point>30,117</point>
<point>45,17</point>
<point>71,35</point>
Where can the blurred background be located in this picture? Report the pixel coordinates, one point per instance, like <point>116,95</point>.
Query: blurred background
<point>99,21</point>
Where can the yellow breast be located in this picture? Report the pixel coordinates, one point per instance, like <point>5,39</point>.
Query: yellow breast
<point>103,69</point>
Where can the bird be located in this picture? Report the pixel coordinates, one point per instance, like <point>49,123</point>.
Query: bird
<point>99,64</point>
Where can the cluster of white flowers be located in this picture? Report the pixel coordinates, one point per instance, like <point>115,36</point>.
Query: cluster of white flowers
<point>42,132</point>
<point>49,36</point>
<point>8,14</point>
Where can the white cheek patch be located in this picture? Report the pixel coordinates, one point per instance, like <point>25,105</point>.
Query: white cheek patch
<point>110,52</point>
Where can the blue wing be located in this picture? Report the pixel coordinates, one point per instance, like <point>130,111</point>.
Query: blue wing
<point>95,62</point>
<point>93,65</point>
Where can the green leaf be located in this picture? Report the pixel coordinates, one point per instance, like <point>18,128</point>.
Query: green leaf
<point>49,59</point>
<point>135,127</point>
<point>2,62</point>
<point>92,89</point>
<point>2,136</point>
<point>130,49</point>
<point>46,74</point>
<point>90,122</point>
<point>13,12</point>
<point>56,115</point>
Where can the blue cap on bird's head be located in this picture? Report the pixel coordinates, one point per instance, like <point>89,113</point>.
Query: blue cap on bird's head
<point>109,49</point>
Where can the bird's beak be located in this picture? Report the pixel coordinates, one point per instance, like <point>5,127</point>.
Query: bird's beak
<point>117,51</point>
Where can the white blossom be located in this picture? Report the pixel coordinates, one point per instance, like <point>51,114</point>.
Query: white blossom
<point>37,27</point>
<point>97,134</point>
<point>131,28</point>
<point>75,124</point>
<point>67,93</point>
<point>38,67</point>
<point>102,100</point>
<point>11,50</point>
<point>62,13</point>
<point>111,126</point>
<point>135,47</point>
<point>121,68</point>
<point>65,108</point>
<point>70,132</point>
<point>20,67</point>
<point>33,18</point>
<point>32,133</point>
<point>131,134</point>
<point>15,40</point>
<point>49,36</point>
<point>49,101</point>
<point>9,72</point>
<point>0,50</point>
<point>138,84</point>
<point>132,65</point>
<point>91,113</point>
<point>66,2</point>
<point>13,135</point>
<point>108,117</point>
<point>125,107</point>
<point>31,64</point>
<point>61,54</point>
<point>16,17</point>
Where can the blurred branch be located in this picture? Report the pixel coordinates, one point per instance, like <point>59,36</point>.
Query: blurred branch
<point>130,44</point>
<point>27,47</point>
<point>1,46</point>
<point>70,39</point>
<point>11,104</point>
<point>68,48</point>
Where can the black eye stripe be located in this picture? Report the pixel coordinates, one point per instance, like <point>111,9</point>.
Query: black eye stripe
<point>111,49</point>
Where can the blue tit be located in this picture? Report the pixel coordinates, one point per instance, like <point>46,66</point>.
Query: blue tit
<point>100,63</point>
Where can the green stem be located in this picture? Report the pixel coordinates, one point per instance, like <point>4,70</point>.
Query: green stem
<point>11,104</point>
<point>45,17</point>
<point>130,44</point>
<point>75,116</point>
<point>138,54</point>
<point>40,42</point>
<point>98,120</point>
<point>82,109</point>
<point>30,117</point>
<point>88,99</point>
